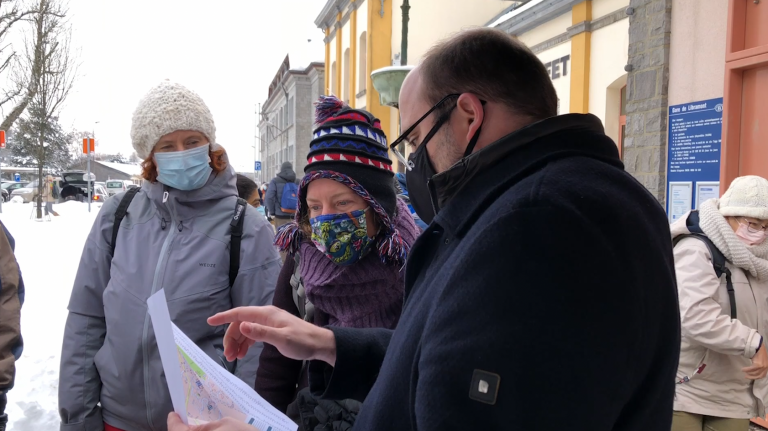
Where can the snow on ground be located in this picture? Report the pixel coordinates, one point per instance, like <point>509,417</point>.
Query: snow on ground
<point>48,254</point>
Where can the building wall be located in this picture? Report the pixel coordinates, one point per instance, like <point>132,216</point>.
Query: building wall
<point>362,27</point>
<point>697,50</point>
<point>601,8</point>
<point>607,77</point>
<point>547,30</point>
<point>332,67</point>
<point>561,82</point>
<point>102,172</point>
<point>434,20</point>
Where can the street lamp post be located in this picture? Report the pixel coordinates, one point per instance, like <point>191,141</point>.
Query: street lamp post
<point>90,190</point>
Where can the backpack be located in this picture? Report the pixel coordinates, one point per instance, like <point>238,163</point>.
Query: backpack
<point>718,259</point>
<point>289,201</point>
<point>236,229</point>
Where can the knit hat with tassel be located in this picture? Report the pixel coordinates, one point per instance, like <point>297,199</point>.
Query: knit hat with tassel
<point>349,146</point>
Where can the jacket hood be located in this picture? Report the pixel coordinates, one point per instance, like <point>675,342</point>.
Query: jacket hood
<point>287,174</point>
<point>445,185</point>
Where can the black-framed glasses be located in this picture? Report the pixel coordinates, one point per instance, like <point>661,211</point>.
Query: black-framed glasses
<point>403,138</point>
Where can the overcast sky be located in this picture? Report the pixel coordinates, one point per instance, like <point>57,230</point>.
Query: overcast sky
<point>227,51</point>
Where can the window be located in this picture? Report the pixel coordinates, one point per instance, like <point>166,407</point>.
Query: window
<point>622,119</point>
<point>333,88</point>
<point>345,90</point>
<point>290,107</point>
<point>363,63</point>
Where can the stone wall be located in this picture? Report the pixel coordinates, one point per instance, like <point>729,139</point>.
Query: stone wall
<point>645,143</point>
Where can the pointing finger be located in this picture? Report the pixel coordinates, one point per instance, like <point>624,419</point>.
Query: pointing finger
<point>260,315</point>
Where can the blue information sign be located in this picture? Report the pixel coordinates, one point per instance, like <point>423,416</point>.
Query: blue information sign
<point>693,161</point>
<point>16,177</point>
<point>257,166</point>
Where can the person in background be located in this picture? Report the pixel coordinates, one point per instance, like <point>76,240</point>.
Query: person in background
<point>176,236</point>
<point>246,189</point>
<point>721,380</point>
<point>347,212</point>
<point>542,292</point>
<point>11,300</point>
<point>402,193</point>
<point>280,206</point>
<point>50,195</point>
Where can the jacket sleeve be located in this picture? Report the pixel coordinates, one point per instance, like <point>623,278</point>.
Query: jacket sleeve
<point>359,355</point>
<point>79,382</point>
<point>702,318</point>
<point>255,283</point>
<point>271,198</point>
<point>11,299</point>
<point>277,376</point>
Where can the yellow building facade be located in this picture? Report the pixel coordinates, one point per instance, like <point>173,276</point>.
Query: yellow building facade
<point>583,43</point>
<point>358,35</point>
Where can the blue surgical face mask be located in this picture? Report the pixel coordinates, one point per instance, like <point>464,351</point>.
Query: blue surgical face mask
<point>184,170</point>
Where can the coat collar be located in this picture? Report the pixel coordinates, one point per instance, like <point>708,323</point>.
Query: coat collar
<point>468,188</point>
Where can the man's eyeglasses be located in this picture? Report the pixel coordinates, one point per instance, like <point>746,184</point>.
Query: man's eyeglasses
<point>403,138</point>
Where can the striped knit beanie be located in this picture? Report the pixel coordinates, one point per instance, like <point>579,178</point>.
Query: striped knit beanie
<point>349,147</point>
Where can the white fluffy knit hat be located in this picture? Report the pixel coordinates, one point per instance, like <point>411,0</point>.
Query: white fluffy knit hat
<point>746,197</point>
<point>165,109</point>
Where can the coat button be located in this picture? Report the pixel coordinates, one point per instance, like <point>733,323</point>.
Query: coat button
<point>447,241</point>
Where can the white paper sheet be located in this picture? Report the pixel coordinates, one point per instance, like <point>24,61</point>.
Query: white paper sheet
<point>203,391</point>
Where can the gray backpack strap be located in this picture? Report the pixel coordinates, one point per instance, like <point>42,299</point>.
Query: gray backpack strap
<point>306,309</point>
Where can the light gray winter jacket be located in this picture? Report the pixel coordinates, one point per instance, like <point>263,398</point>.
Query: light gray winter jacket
<point>169,239</point>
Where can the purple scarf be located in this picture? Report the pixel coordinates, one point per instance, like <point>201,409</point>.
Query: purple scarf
<point>368,294</point>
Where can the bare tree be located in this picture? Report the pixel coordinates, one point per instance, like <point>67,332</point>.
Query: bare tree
<point>11,13</point>
<point>54,70</point>
<point>49,37</point>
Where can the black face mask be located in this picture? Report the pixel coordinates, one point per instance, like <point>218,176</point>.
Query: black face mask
<point>417,179</point>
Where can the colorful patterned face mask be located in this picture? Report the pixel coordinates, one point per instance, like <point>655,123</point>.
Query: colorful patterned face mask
<point>343,238</point>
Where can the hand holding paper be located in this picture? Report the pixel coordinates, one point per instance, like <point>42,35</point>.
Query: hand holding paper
<point>227,424</point>
<point>202,391</point>
<point>293,337</point>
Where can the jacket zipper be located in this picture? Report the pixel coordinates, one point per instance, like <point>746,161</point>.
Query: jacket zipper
<point>164,253</point>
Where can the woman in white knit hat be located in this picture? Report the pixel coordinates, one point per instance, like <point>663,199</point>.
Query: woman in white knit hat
<point>721,380</point>
<point>179,234</point>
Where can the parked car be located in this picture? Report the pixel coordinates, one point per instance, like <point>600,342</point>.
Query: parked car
<point>100,193</point>
<point>118,186</point>
<point>8,187</point>
<point>75,187</point>
<point>28,192</point>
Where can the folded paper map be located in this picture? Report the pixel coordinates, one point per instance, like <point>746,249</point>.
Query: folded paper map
<point>201,389</point>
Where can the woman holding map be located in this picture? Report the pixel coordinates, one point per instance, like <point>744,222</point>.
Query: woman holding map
<point>184,231</point>
<point>347,244</point>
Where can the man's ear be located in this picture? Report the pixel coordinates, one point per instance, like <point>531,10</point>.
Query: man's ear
<point>471,112</point>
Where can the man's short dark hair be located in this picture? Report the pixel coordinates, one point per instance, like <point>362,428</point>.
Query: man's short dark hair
<point>493,66</point>
<point>245,187</point>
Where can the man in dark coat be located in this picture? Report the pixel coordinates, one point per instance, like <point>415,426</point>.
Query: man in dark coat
<point>543,292</point>
<point>275,194</point>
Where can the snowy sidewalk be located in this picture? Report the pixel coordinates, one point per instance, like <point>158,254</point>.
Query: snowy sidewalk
<point>48,254</point>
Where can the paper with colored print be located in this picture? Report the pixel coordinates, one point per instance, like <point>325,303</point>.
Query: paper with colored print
<point>202,390</point>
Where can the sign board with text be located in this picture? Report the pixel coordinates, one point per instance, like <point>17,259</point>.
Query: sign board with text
<point>693,159</point>
<point>257,166</point>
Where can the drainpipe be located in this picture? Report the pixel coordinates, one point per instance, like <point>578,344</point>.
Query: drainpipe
<point>404,43</point>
